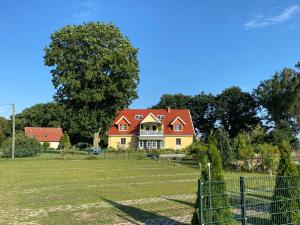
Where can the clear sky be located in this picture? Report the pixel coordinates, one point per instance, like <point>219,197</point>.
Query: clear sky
<point>184,46</point>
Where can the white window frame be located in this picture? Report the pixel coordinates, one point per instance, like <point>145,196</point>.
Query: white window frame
<point>122,127</point>
<point>178,141</point>
<point>139,117</point>
<point>177,126</point>
<point>161,117</point>
<point>123,139</point>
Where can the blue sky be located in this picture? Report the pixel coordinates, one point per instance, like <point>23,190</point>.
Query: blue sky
<point>184,46</point>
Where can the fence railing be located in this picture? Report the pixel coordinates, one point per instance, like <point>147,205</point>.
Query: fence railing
<point>257,201</point>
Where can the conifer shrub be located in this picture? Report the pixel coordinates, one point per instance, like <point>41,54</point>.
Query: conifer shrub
<point>215,189</point>
<point>285,200</point>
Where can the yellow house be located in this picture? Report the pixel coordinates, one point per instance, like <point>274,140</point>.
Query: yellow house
<point>152,129</point>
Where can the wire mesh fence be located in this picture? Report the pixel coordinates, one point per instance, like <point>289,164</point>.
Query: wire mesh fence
<point>258,201</point>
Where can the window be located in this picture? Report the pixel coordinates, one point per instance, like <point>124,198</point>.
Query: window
<point>154,128</point>
<point>178,127</point>
<point>139,117</point>
<point>141,144</point>
<point>123,141</point>
<point>142,127</point>
<point>178,141</point>
<point>161,117</point>
<point>123,127</point>
<point>147,128</point>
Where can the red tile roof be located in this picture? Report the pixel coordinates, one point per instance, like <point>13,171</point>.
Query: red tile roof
<point>133,127</point>
<point>44,134</point>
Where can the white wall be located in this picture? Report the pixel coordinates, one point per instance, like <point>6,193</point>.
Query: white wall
<point>52,144</point>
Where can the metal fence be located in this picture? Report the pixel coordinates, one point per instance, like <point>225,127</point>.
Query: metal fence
<point>260,201</point>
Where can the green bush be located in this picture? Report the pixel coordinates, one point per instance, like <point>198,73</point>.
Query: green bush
<point>269,156</point>
<point>24,146</point>
<point>223,214</point>
<point>46,145</point>
<point>198,151</point>
<point>285,200</point>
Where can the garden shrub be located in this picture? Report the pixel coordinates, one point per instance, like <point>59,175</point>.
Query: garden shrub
<point>24,147</point>
<point>285,200</point>
<point>218,189</point>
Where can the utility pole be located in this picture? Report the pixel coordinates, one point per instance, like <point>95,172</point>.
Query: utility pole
<point>13,131</point>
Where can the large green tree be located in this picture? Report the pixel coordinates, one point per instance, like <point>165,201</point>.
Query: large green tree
<point>201,107</point>
<point>41,115</point>
<point>5,129</point>
<point>95,71</point>
<point>236,111</point>
<point>176,101</point>
<point>280,97</point>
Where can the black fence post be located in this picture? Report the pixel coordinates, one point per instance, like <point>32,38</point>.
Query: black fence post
<point>243,200</point>
<point>200,203</point>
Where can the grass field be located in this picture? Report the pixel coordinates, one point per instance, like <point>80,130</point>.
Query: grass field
<point>109,191</point>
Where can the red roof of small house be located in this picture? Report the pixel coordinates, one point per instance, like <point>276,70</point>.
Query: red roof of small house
<point>170,116</point>
<point>44,134</point>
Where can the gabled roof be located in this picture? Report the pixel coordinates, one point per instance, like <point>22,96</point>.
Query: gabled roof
<point>44,134</point>
<point>152,116</point>
<point>170,116</point>
<point>123,117</point>
<point>178,118</point>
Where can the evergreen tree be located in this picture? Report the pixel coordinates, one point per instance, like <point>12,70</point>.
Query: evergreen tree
<point>285,201</point>
<point>65,144</point>
<point>224,146</point>
<point>216,191</point>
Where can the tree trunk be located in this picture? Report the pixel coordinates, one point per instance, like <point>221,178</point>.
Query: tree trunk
<point>96,139</point>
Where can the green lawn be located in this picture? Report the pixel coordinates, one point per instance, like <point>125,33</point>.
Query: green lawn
<point>105,191</point>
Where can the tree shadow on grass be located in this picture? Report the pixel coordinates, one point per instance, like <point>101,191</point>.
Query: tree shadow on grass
<point>191,204</point>
<point>142,216</point>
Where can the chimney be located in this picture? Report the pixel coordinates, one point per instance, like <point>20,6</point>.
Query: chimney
<point>169,109</point>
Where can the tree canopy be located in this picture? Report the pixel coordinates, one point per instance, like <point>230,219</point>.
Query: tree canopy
<point>41,115</point>
<point>280,96</point>
<point>236,111</point>
<point>95,72</point>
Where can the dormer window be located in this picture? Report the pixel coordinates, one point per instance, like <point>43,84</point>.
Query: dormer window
<point>123,127</point>
<point>161,117</point>
<point>138,117</point>
<point>178,127</point>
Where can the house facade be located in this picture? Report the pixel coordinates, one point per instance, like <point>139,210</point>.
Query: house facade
<point>152,129</point>
<point>45,134</point>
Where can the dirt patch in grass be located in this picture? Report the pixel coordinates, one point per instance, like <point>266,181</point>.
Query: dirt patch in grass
<point>84,216</point>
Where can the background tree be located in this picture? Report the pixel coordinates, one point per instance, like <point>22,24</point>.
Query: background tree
<point>202,108</point>
<point>64,145</point>
<point>269,156</point>
<point>41,115</point>
<point>176,101</point>
<point>280,96</point>
<point>65,142</point>
<point>224,146</point>
<point>285,201</point>
<point>95,71</point>
<point>243,148</point>
<point>5,129</point>
<point>236,111</point>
